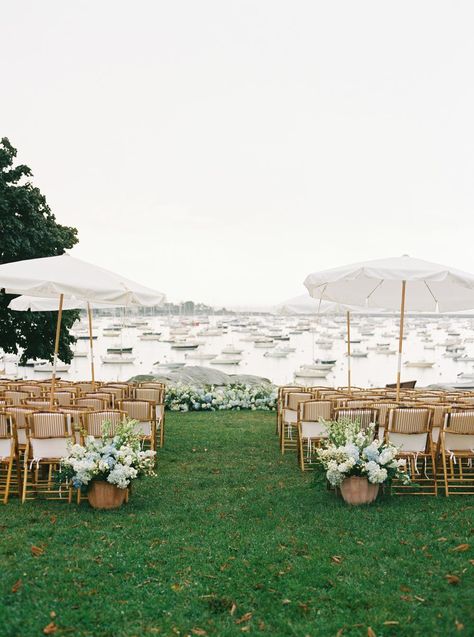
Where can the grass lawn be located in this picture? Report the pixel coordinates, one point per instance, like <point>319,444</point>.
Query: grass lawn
<point>231,538</point>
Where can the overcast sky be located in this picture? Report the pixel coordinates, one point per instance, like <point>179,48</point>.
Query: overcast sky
<point>221,150</point>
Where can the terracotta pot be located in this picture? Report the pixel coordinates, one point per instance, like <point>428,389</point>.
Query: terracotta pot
<point>357,490</point>
<point>103,495</point>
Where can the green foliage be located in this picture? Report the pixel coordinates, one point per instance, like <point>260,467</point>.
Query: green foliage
<point>28,230</point>
<point>231,535</point>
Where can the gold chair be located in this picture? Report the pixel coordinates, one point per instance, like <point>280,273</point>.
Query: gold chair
<point>8,455</point>
<point>94,421</point>
<point>144,411</point>
<point>47,442</point>
<point>311,428</point>
<point>457,452</point>
<point>410,430</point>
<point>289,419</point>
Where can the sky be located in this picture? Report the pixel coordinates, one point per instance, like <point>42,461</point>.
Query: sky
<point>221,150</point>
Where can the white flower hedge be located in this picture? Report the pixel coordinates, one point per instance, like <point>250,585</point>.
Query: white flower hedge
<point>211,398</point>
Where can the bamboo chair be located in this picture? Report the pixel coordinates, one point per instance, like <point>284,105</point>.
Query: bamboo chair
<point>75,414</point>
<point>457,453</point>
<point>144,411</point>
<point>152,385</point>
<point>410,430</point>
<point>20,415</point>
<point>107,396</point>
<point>127,388</point>
<point>117,392</point>
<point>282,391</point>
<point>87,386</point>
<point>156,395</point>
<point>365,416</point>
<point>94,420</point>
<point>383,413</point>
<point>289,419</point>
<point>48,436</point>
<point>16,396</point>
<point>96,404</point>
<point>42,403</point>
<point>311,428</point>
<point>34,390</point>
<point>8,456</point>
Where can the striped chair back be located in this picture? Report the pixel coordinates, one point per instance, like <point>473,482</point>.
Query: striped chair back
<point>91,403</point>
<point>363,416</point>
<point>150,393</point>
<point>94,421</point>
<point>314,411</point>
<point>48,424</point>
<point>409,421</point>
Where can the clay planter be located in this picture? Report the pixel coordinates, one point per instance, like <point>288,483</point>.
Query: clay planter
<point>103,495</point>
<point>356,490</point>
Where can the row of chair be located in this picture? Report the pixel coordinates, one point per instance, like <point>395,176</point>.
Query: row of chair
<point>34,436</point>
<point>440,435</point>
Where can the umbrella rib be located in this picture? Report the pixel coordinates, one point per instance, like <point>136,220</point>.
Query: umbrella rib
<point>377,286</point>
<point>430,291</point>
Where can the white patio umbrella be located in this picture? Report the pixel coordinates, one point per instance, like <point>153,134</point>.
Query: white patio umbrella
<point>26,303</point>
<point>305,304</point>
<point>65,277</point>
<point>399,282</point>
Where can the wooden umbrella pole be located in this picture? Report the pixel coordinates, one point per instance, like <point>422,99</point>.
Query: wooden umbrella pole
<point>348,317</point>
<point>400,340</point>
<point>56,349</point>
<point>91,344</point>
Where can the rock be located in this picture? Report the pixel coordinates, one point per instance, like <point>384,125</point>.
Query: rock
<point>198,376</point>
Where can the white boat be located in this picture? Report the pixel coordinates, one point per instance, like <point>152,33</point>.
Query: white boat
<point>80,353</point>
<point>200,356</point>
<point>306,372</point>
<point>184,345</point>
<point>117,359</point>
<point>358,353</point>
<point>110,332</point>
<point>168,366</point>
<point>464,359</point>
<point>150,336</point>
<point>288,349</point>
<point>276,353</point>
<point>264,344</point>
<point>48,367</point>
<point>231,349</point>
<point>420,364</point>
<point>231,360</point>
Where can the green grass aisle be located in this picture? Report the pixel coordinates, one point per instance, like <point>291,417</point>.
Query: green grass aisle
<point>230,538</point>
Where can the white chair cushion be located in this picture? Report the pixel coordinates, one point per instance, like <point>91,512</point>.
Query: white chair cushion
<point>49,447</point>
<point>415,443</point>
<point>313,430</point>
<point>458,442</point>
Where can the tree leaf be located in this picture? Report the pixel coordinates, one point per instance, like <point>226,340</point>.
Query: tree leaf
<point>452,579</point>
<point>37,550</point>
<point>244,618</point>
<point>461,548</point>
<point>17,585</point>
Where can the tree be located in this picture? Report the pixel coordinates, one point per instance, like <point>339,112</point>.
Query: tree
<point>28,230</point>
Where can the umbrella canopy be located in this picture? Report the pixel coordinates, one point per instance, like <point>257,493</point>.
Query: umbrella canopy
<point>305,304</point>
<point>26,303</point>
<point>52,276</point>
<point>399,282</point>
<point>376,284</point>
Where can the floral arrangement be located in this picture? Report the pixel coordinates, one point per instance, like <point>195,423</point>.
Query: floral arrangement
<point>118,460</point>
<point>351,450</point>
<point>211,398</point>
